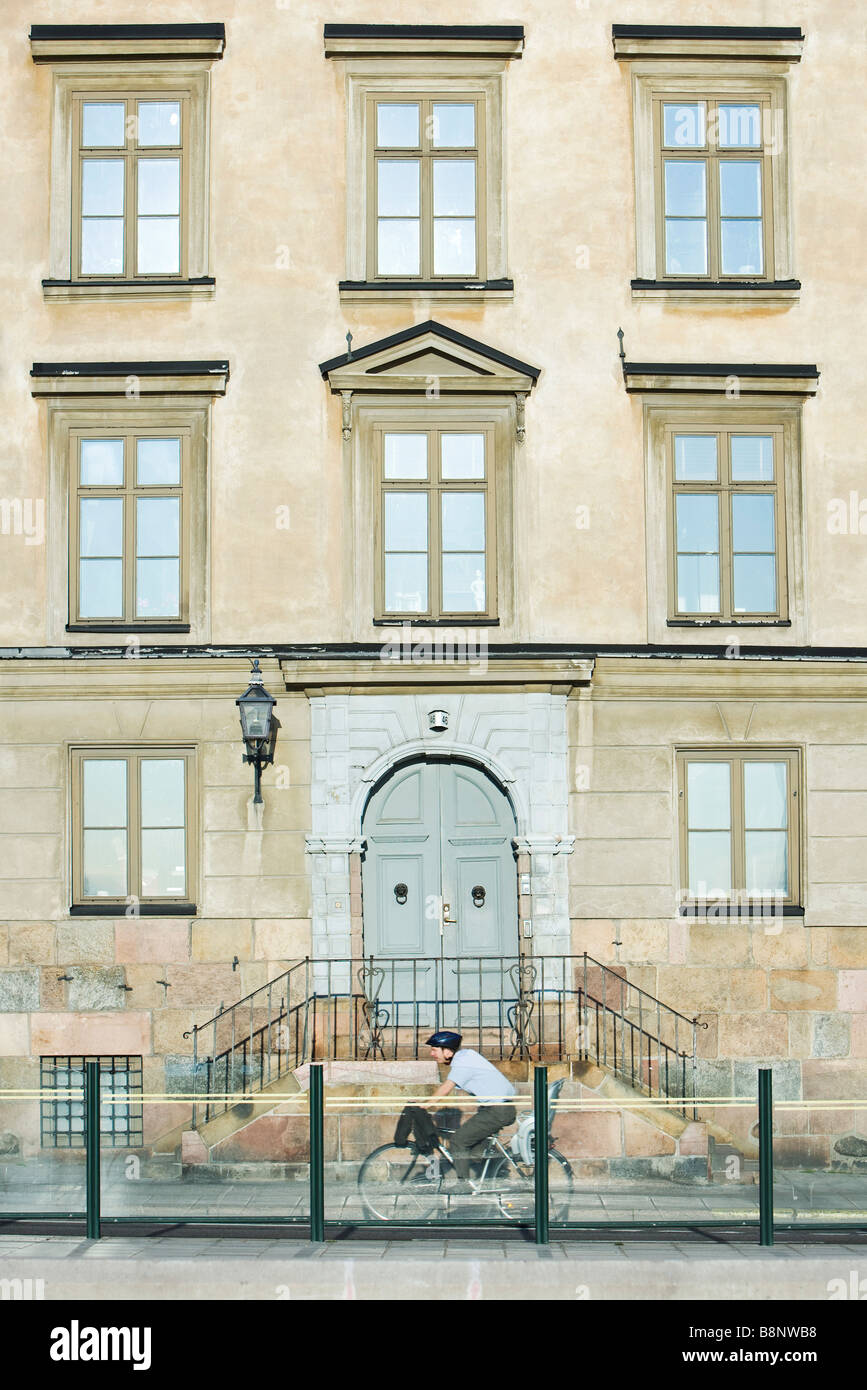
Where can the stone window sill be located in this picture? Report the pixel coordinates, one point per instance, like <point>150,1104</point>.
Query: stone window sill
<point>141,910</point>
<point>68,291</point>
<point>717,291</point>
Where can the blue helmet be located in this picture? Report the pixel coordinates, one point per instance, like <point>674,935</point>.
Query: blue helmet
<point>445,1039</point>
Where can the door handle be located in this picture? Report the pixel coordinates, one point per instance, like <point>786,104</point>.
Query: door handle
<point>452,921</point>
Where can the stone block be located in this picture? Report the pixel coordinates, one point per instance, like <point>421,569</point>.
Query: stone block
<point>835,1080</point>
<point>212,941</point>
<point>169,1026</point>
<point>801,1151</point>
<point>693,1142</point>
<point>204,985</point>
<point>831,1035</point>
<point>59,1034</point>
<point>777,950</point>
<point>852,991</point>
<point>690,1168</point>
<point>359,1133</point>
<point>30,943</point>
<point>590,1134</point>
<point>33,900</point>
<point>19,990</point>
<point>644,941</point>
<point>92,987</point>
<point>145,939</point>
<point>281,939</point>
<point>859,1035</point>
<point>704,989</point>
<point>800,1035</point>
<point>52,989</point>
<point>848,947</point>
<point>820,945</point>
<point>713,1078</point>
<point>31,856</point>
<point>718,943</point>
<point>14,1039</point>
<point>193,1148</point>
<point>786,1079</point>
<point>146,993</point>
<point>160,1119</point>
<point>678,941</point>
<point>640,1169</point>
<point>181,1077</point>
<point>803,989</point>
<point>758,1035</point>
<point>273,897</point>
<point>85,942</point>
<point>707,1037</point>
<point>4,943</point>
<point>643,1140</point>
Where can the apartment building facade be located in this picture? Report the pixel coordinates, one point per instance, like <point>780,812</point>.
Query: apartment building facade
<point>497,387</point>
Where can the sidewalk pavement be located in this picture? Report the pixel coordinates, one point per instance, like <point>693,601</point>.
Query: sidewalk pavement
<point>167,1267</point>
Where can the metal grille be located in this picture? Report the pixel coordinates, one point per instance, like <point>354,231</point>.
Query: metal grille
<point>62,1120</point>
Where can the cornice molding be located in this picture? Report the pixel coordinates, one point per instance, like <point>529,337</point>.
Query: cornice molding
<point>130,379</point>
<point>750,378</point>
<point>706,41</point>
<point>69,43</point>
<point>498,41</point>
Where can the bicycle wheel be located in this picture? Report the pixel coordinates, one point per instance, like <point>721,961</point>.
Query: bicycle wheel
<point>400,1184</point>
<point>515,1188</point>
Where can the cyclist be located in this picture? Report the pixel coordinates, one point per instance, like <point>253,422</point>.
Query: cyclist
<point>469,1071</point>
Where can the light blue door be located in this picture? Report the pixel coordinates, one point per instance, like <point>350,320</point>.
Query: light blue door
<point>440,895</point>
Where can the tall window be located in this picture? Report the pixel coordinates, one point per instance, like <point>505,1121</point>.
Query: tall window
<point>714,187</point>
<point>127,526</point>
<point>133,821</point>
<point>426,187</point>
<point>739,824</point>
<point>130,186</point>
<point>728,523</point>
<point>436,522</point>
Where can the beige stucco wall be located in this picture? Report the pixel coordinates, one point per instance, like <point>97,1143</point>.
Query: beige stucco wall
<point>278,182</point>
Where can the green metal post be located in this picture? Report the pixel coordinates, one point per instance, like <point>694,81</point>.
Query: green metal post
<point>540,1115</point>
<point>91,1139</point>
<point>317,1154</point>
<point>766,1157</point>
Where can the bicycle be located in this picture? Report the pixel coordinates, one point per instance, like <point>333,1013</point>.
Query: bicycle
<point>402,1184</point>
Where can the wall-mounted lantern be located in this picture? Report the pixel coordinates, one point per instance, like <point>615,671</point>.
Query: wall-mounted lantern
<point>258,726</point>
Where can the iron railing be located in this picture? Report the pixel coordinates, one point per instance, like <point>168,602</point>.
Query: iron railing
<point>543,1008</point>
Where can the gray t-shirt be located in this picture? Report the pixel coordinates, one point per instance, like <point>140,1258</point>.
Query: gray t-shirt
<point>472,1073</point>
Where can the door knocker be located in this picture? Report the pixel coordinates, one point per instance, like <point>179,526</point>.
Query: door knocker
<point>400,893</point>
<point>478,894</point>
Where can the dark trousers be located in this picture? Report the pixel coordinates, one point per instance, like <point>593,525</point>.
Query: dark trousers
<point>479,1127</point>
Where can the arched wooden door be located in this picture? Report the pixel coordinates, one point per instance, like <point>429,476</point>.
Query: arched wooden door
<point>440,892</point>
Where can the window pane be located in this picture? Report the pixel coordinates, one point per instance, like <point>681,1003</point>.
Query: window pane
<point>406,521</point>
<point>406,583</point>
<point>695,458</point>
<point>741,247</point>
<point>102,188</point>
<point>159,245</point>
<point>103,123</point>
<point>157,589</point>
<point>158,462</point>
<point>740,188</point>
<point>454,246</point>
<point>698,584</point>
<point>159,123</point>
<point>163,872</point>
<point>708,795</point>
<point>463,521</point>
<point>100,589</point>
<point>397,125</point>
<point>454,187</point>
<point>103,792</point>
<point>398,187</point>
<point>463,583</point>
<point>683,124</point>
<point>752,458</point>
<point>157,525</point>
<point>405,456</point>
<point>740,127</point>
<point>767,855</point>
<point>398,247</point>
<point>101,526</point>
<point>710,863</point>
<point>685,188</point>
<point>697,522</point>
<point>454,125</point>
<point>162,792</point>
<point>104,867</point>
<point>159,187</point>
<point>101,463</point>
<point>755,583</point>
<point>753,522</point>
<point>685,247</point>
<point>765,795</point>
<point>463,455</point>
<point>102,246</point>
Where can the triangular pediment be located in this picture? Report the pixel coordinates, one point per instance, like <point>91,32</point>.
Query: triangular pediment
<point>407,361</point>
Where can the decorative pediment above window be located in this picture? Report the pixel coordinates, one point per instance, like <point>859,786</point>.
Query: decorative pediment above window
<point>431,361</point>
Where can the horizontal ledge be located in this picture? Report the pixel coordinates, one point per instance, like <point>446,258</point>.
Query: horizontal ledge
<point>121,910</point>
<point>424,286</point>
<point>424,40</point>
<point>471,620</point>
<point>424,31</point>
<point>40,369</point>
<point>51,43</point>
<point>57,379</point>
<point>202,287</point>
<point>724,622</point>
<point>737,910</point>
<point>705,41</point>
<point>715,286</point>
<point>753,377</point>
<point>153,630</point>
<point>704,31</point>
